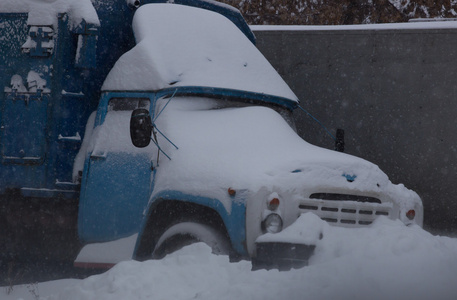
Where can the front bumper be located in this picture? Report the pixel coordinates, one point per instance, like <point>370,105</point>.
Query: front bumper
<point>290,248</point>
<point>281,256</point>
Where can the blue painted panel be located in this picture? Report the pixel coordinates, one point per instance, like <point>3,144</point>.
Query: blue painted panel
<point>23,133</point>
<point>116,183</point>
<point>23,114</point>
<point>37,151</point>
<point>113,196</point>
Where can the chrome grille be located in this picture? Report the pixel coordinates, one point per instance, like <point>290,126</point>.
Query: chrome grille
<point>345,210</point>
<point>344,197</point>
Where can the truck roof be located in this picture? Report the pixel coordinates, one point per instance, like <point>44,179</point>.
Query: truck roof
<point>180,47</point>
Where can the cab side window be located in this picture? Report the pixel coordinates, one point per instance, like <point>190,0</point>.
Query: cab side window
<point>128,104</point>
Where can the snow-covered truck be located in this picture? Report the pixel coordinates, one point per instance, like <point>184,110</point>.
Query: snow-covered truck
<point>192,138</point>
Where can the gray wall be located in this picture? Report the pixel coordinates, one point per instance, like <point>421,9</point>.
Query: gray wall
<point>392,91</point>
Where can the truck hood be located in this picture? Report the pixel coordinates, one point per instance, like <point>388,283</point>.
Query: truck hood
<point>253,148</point>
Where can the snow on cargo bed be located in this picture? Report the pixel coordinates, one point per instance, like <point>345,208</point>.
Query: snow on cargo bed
<point>185,46</point>
<point>44,12</point>
<point>251,148</point>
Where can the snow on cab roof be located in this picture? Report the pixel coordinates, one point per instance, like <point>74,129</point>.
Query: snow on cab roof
<point>182,46</point>
<point>44,12</point>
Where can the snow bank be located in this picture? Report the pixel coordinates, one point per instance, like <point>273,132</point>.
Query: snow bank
<point>186,46</point>
<point>386,260</point>
<point>107,253</point>
<point>44,12</point>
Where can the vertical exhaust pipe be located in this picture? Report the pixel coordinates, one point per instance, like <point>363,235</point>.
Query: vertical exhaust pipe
<point>339,141</point>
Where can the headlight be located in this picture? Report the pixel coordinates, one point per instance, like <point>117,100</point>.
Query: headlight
<point>272,223</point>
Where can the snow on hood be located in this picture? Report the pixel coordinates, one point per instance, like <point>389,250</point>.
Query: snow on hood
<point>186,46</point>
<point>251,148</point>
<point>44,12</point>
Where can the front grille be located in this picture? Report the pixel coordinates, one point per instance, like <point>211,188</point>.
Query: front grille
<point>345,210</point>
<point>344,197</point>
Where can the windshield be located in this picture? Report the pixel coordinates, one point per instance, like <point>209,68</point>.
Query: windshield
<point>127,103</point>
<point>285,113</point>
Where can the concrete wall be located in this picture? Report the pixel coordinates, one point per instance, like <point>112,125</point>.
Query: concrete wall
<point>394,93</point>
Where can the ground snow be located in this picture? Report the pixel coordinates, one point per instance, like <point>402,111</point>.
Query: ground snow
<point>387,260</point>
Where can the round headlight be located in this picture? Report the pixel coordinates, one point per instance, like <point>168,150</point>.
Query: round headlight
<point>272,223</point>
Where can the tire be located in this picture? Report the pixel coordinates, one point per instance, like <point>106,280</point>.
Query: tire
<point>186,233</point>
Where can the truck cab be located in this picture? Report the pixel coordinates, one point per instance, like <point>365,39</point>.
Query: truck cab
<point>193,140</point>
<point>55,57</point>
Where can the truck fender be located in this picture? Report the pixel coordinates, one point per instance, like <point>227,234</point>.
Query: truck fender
<point>171,208</point>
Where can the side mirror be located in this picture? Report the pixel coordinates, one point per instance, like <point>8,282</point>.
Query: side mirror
<point>140,128</point>
<point>133,4</point>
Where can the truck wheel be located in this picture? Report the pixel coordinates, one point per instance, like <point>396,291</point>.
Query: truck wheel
<point>186,233</point>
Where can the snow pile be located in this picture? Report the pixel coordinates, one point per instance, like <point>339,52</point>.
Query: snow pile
<point>44,12</point>
<point>186,46</point>
<point>107,253</point>
<point>16,84</point>
<point>386,260</point>
<point>35,82</point>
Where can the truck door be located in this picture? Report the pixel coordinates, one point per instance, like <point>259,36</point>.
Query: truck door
<point>117,176</point>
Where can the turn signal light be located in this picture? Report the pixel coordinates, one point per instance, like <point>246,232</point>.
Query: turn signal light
<point>411,214</point>
<point>273,204</point>
<point>231,192</point>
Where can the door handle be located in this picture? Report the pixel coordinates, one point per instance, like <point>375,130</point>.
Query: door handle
<point>98,155</point>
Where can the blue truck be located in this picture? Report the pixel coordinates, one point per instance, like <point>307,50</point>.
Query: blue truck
<point>54,58</point>
<point>161,121</point>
